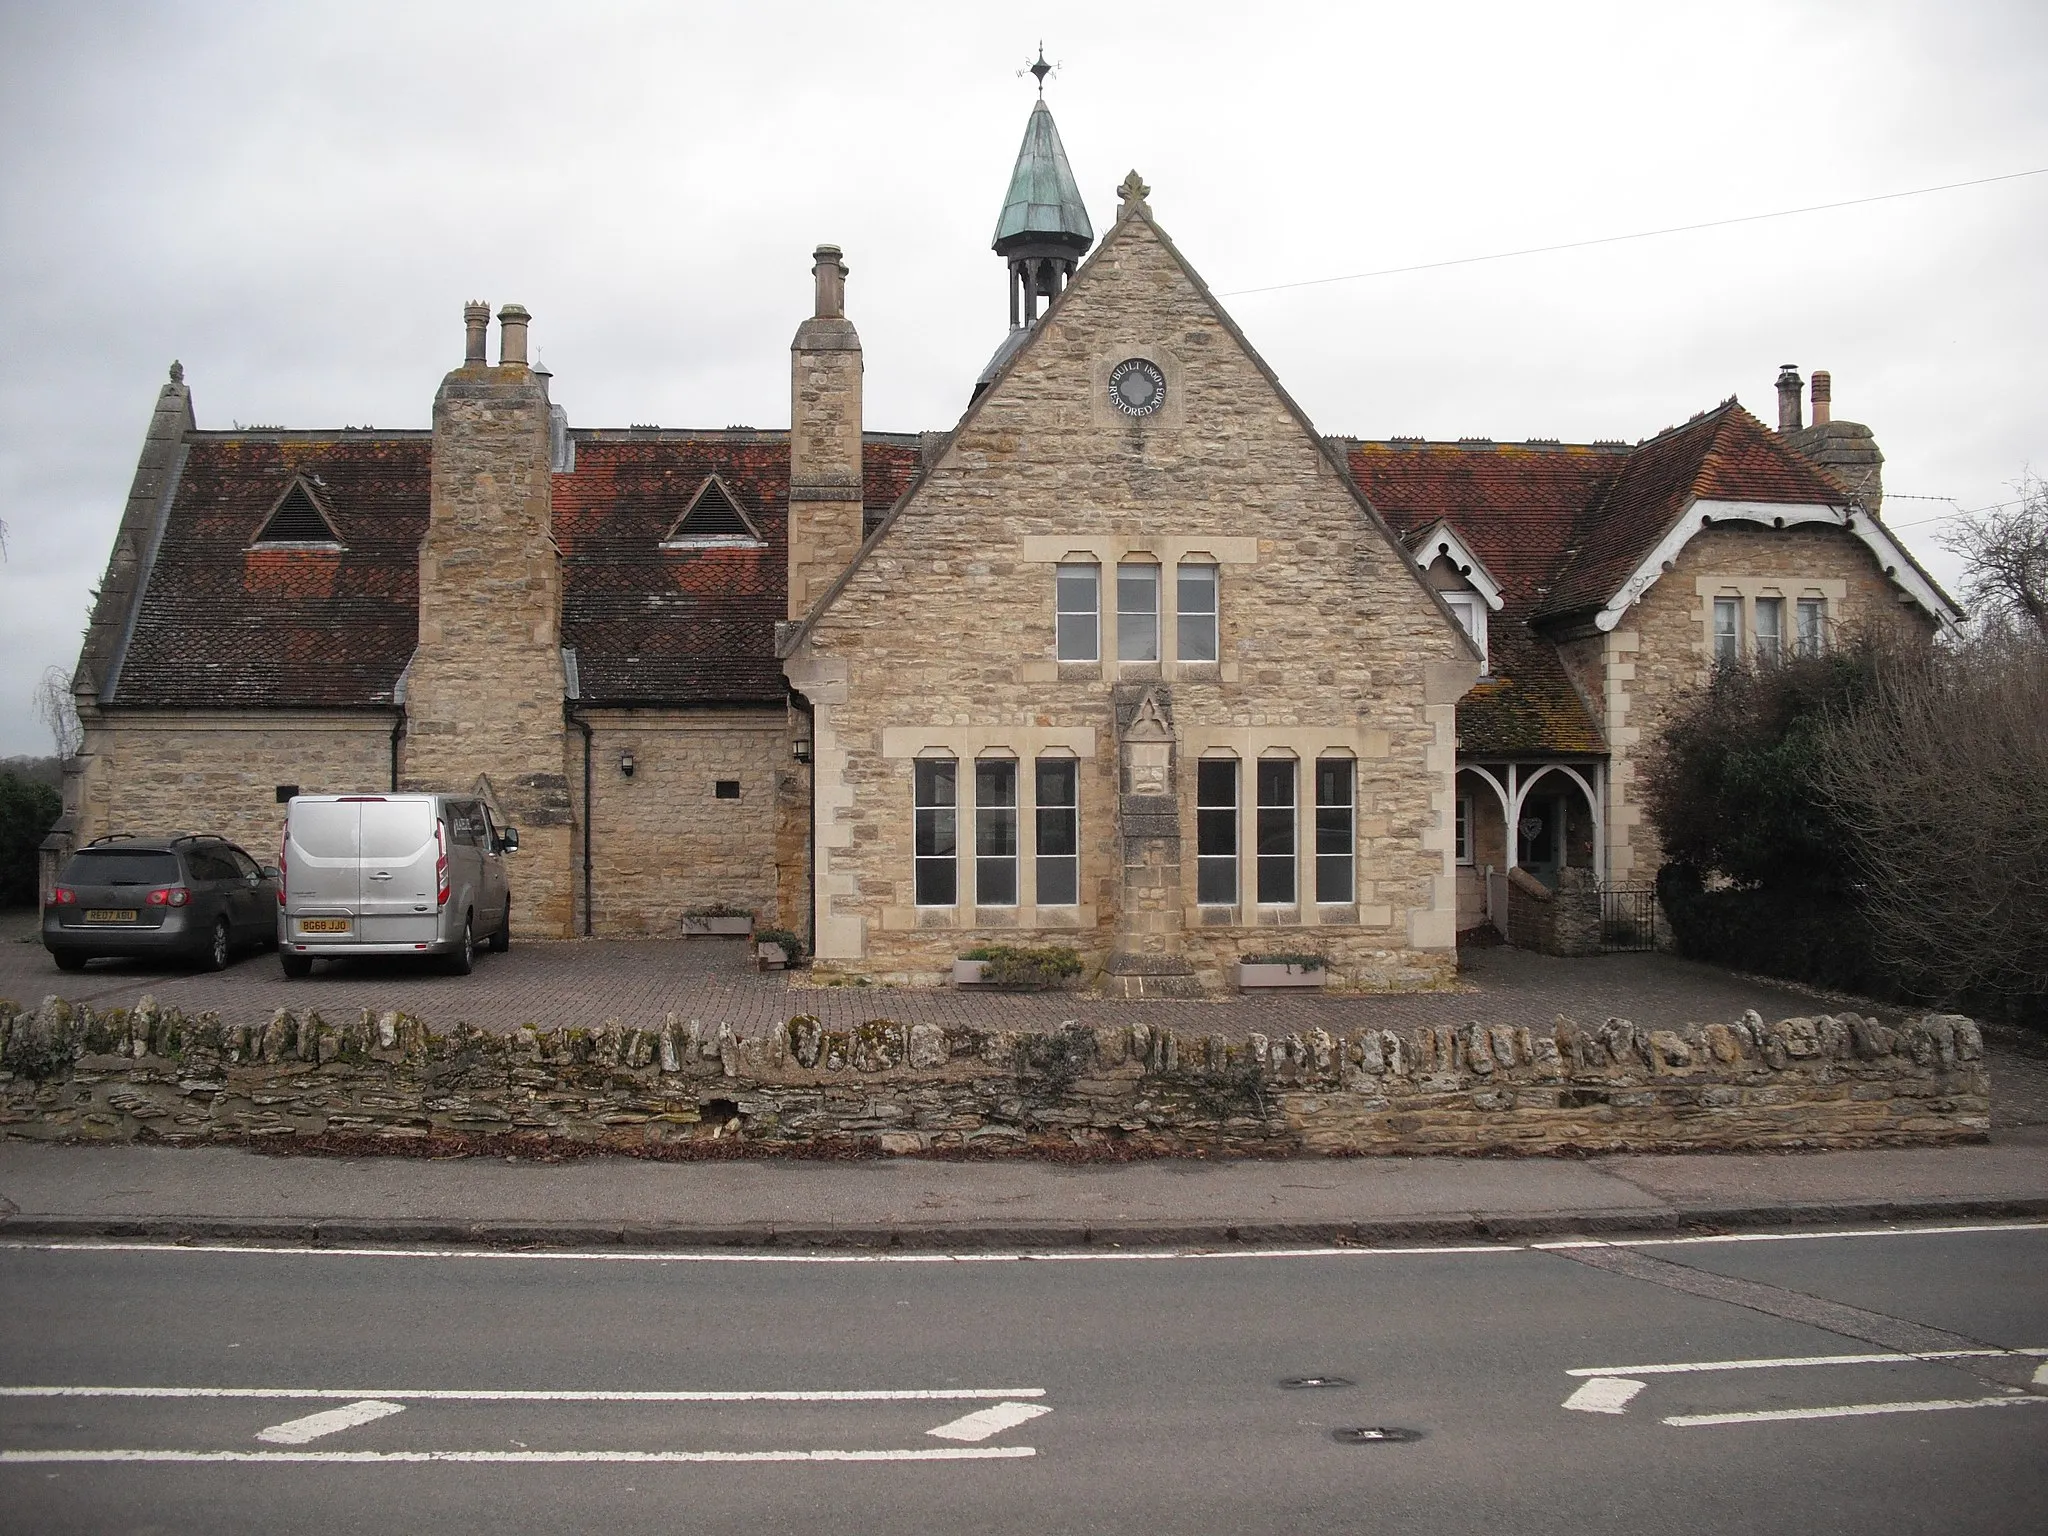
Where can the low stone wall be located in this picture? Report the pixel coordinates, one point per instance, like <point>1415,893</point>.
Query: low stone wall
<point>1565,921</point>
<point>71,1073</point>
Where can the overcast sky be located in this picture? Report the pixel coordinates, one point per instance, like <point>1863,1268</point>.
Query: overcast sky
<point>296,200</point>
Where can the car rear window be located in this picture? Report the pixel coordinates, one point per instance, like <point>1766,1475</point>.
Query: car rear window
<point>396,829</point>
<point>326,829</point>
<point>121,866</point>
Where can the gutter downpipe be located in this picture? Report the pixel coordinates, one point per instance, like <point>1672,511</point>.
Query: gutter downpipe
<point>810,824</point>
<point>397,730</point>
<point>583,725</point>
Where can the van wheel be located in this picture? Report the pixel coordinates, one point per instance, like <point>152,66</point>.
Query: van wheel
<point>462,960</point>
<point>218,949</point>
<point>502,939</point>
<point>295,967</point>
<point>68,962</point>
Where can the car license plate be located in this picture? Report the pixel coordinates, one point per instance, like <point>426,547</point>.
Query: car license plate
<point>323,925</point>
<point>111,915</point>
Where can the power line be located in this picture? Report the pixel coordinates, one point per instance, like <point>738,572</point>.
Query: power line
<point>1644,234</point>
<point>1957,509</point>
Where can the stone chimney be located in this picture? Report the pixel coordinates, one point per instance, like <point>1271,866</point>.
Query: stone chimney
<point>483,697</point>
<point>824,439</point>
<point>476,323</point>
<point>1789,386</point>
<point>1845,449</point>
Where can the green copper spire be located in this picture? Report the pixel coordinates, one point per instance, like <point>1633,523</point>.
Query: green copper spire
<point>1044,204</point>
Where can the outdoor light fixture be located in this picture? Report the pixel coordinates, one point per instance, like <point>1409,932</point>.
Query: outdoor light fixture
<point>803,749</point>
<point>626,762</point>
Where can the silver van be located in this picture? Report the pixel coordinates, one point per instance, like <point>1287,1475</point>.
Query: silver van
<point>391,875</point>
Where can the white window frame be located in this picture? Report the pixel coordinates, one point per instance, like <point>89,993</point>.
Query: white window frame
<point>1727,642</point>
<point>1216,815</point>
<point>1063,590</point>
<point>1206,623</point>
<point>1470,609</point>
<point>1811,618</point>
<point>1051,815</point>
<point>936,815</point>
<point>995,833</point>
<point>1124,649</point>
<point>1336,834</point>
<point>1769,638</point>
<point>1277,823</point>
<point>1461,832</point>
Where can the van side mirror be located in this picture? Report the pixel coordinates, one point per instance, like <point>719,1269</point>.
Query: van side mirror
<point>508,840</point>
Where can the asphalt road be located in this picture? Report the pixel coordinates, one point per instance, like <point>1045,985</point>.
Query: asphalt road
<point>1527,1372</point>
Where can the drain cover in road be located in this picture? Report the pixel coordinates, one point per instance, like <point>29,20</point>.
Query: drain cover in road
<point>1377,1434</point>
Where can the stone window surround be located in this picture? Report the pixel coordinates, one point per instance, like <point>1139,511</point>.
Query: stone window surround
<point>1168,552</point>
<point>1788,589</point>
<point>1306,745</point>
<point>967,743</point>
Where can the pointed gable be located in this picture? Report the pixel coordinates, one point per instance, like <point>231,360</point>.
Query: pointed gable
<point>297,518</point>
<point>714,516</point>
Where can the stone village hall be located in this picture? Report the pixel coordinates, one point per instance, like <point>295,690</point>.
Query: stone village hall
<point>1131,658</point>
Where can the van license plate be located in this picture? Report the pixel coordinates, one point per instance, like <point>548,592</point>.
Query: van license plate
<point>111,915</point>
<point>323,925</point>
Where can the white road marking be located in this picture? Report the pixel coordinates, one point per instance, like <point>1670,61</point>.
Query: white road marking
<point>1847,1411</point>
<point>1786,1237</point>
<point>2041,1373</point>
<point>1887,1357</point>
<point>491,1395</point>
<point>1604,1394</point>
<point>331,1421</point>
<point>371,1458</point>
<point>984,1422</point>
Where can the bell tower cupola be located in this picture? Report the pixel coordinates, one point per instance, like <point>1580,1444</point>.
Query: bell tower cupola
<point>1044,230</point>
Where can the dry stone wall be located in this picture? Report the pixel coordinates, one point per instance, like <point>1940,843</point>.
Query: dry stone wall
<point>75,1074</point>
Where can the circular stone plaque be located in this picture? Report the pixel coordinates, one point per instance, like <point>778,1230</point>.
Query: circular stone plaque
<point>1137,387</point>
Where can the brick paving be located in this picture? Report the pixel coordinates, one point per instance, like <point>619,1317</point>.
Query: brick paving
<point>641,981</point>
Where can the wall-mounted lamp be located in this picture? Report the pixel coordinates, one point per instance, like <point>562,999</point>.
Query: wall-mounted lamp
<point>802,749</point>
<point>626,763</point>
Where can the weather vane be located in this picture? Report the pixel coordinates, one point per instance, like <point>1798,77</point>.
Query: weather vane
<point>1040,69</point>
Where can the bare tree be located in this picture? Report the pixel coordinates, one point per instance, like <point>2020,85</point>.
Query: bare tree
<point>58,710</point>
<point>2006,554</point>
<point>1939,780</point>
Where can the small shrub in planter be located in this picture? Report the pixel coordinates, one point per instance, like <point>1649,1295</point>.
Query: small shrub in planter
<point>1020,967</point>
<point>719,918</point>
<point>788,944</point>
<point>1280,970</point>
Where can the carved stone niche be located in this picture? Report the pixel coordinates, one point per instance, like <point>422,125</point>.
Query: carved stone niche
<point>1145,739</point>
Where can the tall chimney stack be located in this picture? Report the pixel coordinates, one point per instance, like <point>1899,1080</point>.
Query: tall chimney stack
<point>512,323</point>
<point>1789,385</point>
<point>824,439</point>
<point>476,322</point>
<point>1823,397</point>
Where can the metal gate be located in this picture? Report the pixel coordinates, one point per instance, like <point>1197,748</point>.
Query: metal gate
<point>1628,918</point>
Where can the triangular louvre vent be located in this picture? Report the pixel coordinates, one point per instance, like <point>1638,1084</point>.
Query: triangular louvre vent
<point>297,519</point>
<point>713,515</point>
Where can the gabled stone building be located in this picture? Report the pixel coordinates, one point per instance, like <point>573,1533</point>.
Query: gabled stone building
<point>1131,658</point>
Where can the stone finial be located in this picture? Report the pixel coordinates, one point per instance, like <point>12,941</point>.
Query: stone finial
<point>1823,397</point>
<point>1131,193</point>
<point>512,322</point>
<point>1789,384</point>
<point>476,321</point>
<point>177,371</point>
<point>828,274</point>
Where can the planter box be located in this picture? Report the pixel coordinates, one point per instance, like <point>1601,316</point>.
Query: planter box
<point>969,973</point>
<point>1252,977</point>
<point>718,927</point>
<point>771,957</point>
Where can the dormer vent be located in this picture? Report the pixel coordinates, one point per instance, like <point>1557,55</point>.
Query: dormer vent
<point>714,517</point>
<point>297,519</point>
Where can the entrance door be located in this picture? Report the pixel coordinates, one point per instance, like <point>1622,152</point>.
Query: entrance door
<point>1541,831</point>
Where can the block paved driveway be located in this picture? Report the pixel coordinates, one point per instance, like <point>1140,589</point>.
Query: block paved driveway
<point>640,981</point>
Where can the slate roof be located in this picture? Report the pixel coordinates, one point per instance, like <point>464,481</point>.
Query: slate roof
<point>222,625</point>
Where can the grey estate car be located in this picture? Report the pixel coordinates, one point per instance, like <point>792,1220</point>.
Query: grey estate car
<point>391,875</point>
<point>191,898</point>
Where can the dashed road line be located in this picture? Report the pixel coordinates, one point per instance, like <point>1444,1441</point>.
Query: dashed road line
<point>986,1422</point>
<point>1604,1394</point>
<point>1847,1411</point>
<point>332,1421</point>
<point>1887,1357</point>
